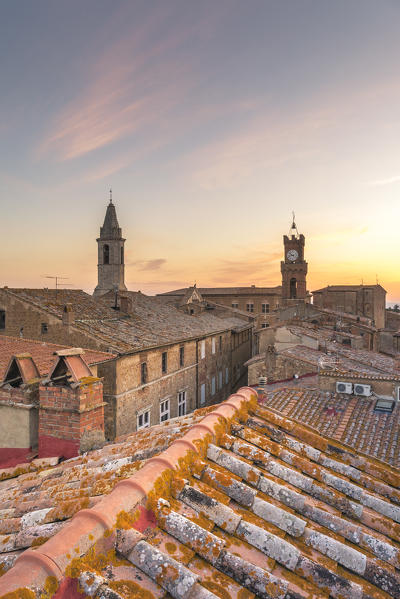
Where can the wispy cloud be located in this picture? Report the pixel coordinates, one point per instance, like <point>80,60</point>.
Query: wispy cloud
<point>155,264</point>
<point>388,181</point>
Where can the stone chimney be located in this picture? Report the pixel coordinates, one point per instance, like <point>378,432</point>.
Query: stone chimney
<point>68,315</point>
<point>126,303</point>
<point>71,412</point>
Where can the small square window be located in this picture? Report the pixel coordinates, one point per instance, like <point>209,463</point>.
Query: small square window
<point>235,305</point>
<point>164,410</point>
<point>264,325</point>
<point>164,362</point>
<point>143,420</point>
<point>250,307</point>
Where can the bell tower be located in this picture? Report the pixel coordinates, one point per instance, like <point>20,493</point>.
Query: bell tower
<point>293,267</point>
<point>111,263</point>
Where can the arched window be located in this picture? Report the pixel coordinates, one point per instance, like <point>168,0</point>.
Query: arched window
<point>293,288</point>
<point>106,254</point>
<point>122,255</point>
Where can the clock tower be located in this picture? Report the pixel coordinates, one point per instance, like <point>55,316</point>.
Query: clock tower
<point>293,267</point>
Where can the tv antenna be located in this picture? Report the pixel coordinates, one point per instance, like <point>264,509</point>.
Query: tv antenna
<point>58,284</point>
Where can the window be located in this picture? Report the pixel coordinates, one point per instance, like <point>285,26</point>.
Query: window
<point>398,393</point>
<point>264,325</point>
<point>202,394</point>
<point>122,255</point>
<point>203,349</point>
<point>265,308</point>
<point>164,364</point>
<point>44,328</point>
<point>235,305</point>
<point>106,254</point>
<point>213,345</point>
<point>220,343</point>
<point>2,319</point>
<point>220,379</point>
<point>181,403</point>
<point>143,373</point>
<point>213,385</point>
<point>250,307</point>
<point>293,288</point>
<point>181,356</point>
<point>226,375</point>
<point>164,410</point>
<point>143,420</point>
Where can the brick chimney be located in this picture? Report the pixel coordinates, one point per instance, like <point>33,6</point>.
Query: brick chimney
<point>19,407</point>
<point>71,413</point>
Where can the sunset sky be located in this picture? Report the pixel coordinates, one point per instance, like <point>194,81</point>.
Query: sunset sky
<point>211,120</point>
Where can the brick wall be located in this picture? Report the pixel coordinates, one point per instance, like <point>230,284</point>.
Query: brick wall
<point>71,420</point>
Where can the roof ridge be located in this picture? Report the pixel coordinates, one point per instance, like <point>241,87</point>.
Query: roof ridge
<point>34,567</point>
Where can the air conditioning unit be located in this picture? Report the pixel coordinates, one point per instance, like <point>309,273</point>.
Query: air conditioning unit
<point>362,389</point>
<point>344,388</point>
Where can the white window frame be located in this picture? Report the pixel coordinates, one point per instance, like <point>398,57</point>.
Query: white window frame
<point>145,415</point>
<point>202,349</point>
<point>263,309</point>
<point>181,403</point>
<point>213,345</point>
<point>264,325</point>
<point>164,410</point>
<point>213,386</point>
<point>226,375</point>
<point>220,379</point>
<point>398,393</point>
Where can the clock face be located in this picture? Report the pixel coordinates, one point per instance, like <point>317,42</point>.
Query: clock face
<point>292,255</point>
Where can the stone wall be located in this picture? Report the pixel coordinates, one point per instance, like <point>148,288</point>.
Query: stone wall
<point>327,382</point>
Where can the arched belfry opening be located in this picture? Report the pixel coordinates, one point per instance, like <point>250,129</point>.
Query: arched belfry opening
<point>106,254</point>
<point>293,288</point>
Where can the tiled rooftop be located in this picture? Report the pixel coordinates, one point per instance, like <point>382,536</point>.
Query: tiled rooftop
<point>152,322</point>
<point>39,497</point>
<point>246,504</point>
<point>346,361</point>
<point>352,421</point>
<point>42,353</point>
<point>228,291</point>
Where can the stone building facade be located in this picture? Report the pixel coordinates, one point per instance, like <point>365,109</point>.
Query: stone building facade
<point>158,371</point>
<point>368,301</point>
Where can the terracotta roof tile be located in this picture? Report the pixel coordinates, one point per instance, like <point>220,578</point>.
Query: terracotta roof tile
<point>244,505</point>
<point>151,323</point>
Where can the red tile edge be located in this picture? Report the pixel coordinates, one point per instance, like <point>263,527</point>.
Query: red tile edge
<point>89,525</point>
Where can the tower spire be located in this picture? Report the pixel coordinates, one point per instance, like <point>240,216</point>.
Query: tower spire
<point>111,263</point>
